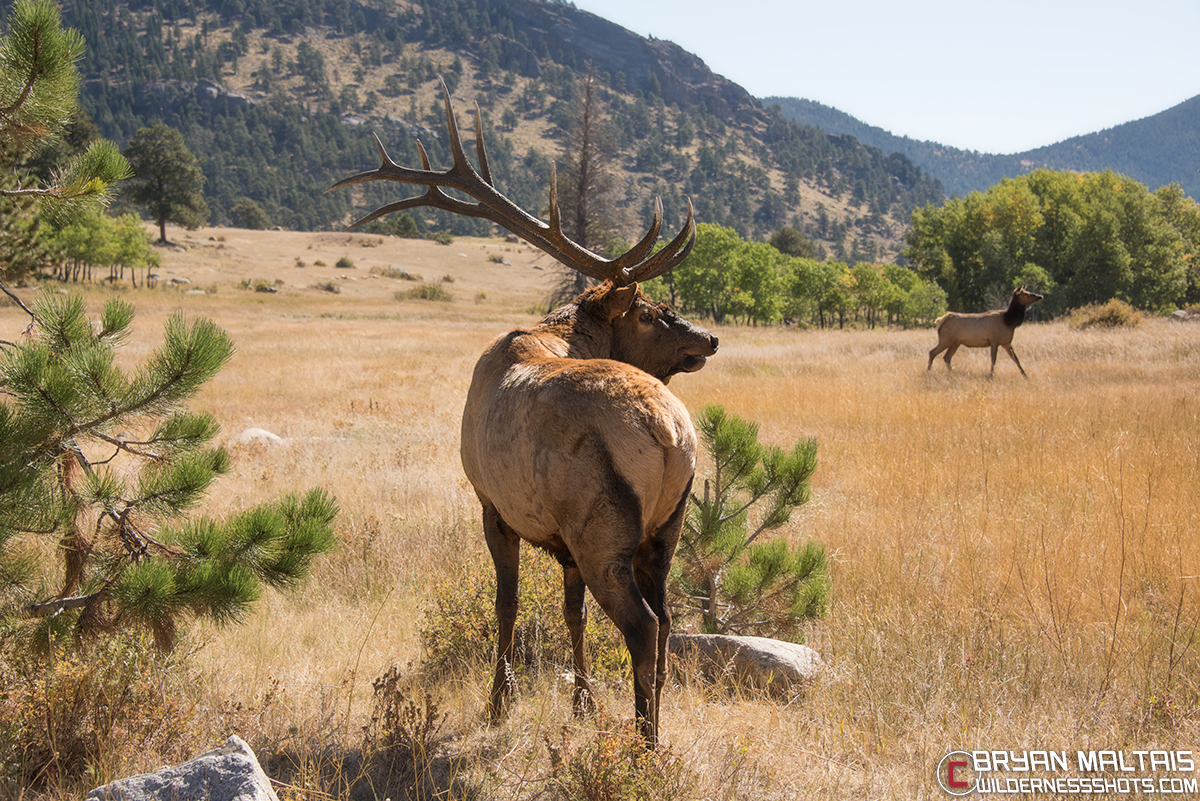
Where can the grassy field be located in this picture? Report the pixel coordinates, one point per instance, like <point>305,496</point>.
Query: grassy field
<point>1014,562</point>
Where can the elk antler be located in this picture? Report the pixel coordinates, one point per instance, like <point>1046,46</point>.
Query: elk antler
<point>636,264</point>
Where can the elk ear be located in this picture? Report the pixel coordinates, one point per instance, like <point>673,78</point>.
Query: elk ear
<point>618,300</point>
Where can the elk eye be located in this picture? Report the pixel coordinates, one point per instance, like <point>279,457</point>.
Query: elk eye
<point>647,317</point>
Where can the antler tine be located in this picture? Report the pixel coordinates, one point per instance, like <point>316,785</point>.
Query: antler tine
<point>628,261</point>
<point>480,150</point>
<point>671,255</point>
<point>489,204</point>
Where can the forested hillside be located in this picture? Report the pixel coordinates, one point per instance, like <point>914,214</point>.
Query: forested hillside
<point>278,100</point>
<point>1158,150</point>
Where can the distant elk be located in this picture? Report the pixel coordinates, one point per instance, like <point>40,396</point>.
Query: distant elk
<point>992,329</point>
<point>570,436</point>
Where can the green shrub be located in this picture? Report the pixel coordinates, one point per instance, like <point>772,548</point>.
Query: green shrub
<point>1114,314</point>
<point>441,237</point>
<point>724,574</point>
<point>344,263</point>
<point>426,292</point>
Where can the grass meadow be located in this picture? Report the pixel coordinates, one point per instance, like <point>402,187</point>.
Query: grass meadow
<point>1015,563</point>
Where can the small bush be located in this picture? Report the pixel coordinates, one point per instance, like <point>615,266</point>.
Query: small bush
<point>447,279</point>
<point>394,272</point>
<point>441,237</point>
<point>426,292</point>
<point>496,258</point>
<point>344,263</point>
<point>614,765</point>
<point>404,732</point>
<point>458,627</point>
<point>1114,314</point>
<point>72,715</point>
<point>329,286</point>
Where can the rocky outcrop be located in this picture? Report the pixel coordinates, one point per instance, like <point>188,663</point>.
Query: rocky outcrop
<point>229,773</point>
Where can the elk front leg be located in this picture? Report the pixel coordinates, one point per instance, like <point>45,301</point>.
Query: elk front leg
<point>505,547</point>
<point>1013,354</point>
<point>575,613</point>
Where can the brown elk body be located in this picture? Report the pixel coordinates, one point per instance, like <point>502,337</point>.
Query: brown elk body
<point>992,329</point>
<point>572,440</point>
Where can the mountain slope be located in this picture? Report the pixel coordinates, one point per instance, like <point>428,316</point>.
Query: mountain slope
<point>1157,150</point>
<point>278,100</point>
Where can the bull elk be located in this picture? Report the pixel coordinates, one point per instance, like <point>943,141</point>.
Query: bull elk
<point>570,437</point>
<point>991,329</point>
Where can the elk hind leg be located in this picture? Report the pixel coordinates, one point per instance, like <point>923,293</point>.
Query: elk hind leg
<point>950,351</point>
<point>575,613</point>
<point>933,354</point>
<point>611,580</point>
<point>652,566</point>
<point>505,547</point>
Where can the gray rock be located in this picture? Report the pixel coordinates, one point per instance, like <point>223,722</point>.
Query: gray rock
<point>229,773</point>
<point>758,661</point>
<point>257,436</point>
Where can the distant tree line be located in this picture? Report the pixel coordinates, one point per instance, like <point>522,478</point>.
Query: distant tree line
<point>729,279</point>
<point>1080,238</point>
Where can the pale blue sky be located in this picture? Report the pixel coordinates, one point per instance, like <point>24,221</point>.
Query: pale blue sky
<point>996,77</point>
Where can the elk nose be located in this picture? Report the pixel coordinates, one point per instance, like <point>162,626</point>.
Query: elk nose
<point>714,342</point>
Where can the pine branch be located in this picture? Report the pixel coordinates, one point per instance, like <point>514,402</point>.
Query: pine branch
<point>15,299</point>
<point>56,605</point>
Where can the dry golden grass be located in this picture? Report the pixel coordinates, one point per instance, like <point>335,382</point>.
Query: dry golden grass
<point>1014,562</point>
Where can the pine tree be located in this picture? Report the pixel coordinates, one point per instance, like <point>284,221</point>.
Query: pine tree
<point>168,181</point>
<point>587,184</point>
<point>38,87</point>
<point>736,583</point>
<point>100,468</point>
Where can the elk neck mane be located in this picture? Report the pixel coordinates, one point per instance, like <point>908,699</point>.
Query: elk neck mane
<point>1014,315</point>
<point>586,335</point>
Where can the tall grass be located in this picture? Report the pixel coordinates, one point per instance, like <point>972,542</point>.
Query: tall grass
<point>1014,562</point>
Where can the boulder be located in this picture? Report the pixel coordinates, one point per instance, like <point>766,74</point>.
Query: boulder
<point>229,773</point>
<point>761,662</point>
<point>257,436</point>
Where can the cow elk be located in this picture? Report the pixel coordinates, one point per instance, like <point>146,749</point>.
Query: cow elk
<point>992,329</point>
<point>570,437</point>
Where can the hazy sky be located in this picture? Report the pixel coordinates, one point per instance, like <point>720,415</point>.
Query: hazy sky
<point>993,77</point>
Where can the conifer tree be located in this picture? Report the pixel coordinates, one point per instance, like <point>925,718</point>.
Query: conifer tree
<point>737,583</point>
<point>99,468</point>
<point>168,181</point>
<point>39,85</point>
<point>587,184</point>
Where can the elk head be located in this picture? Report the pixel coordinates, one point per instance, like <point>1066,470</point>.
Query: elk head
<point>1025,297</point>
<point>646,334</point>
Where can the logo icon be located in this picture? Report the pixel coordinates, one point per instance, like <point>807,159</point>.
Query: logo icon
<point>956,774</point>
